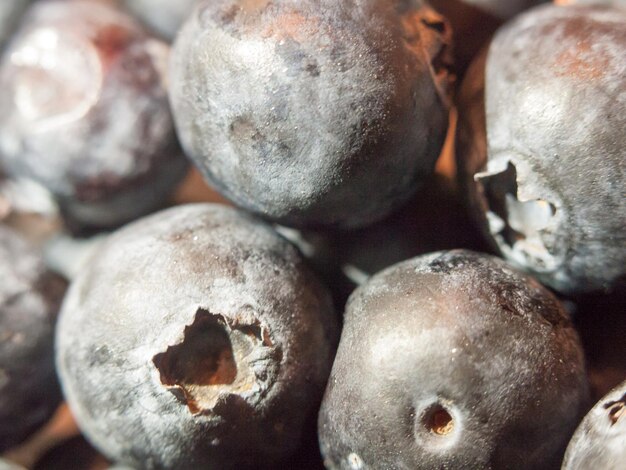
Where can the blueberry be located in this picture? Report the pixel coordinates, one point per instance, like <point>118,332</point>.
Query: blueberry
<point>312,113</point>
<point>452,360</point>
<point>30,297</point>
<point>164,16</point>
<point>84,111</point>
<point>547,183</point>
<point>195,338</point>
<point>600,440</point>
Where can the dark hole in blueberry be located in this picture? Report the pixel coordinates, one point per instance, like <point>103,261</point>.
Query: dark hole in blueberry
<point>438,420</point>
<point>520,218</point>
<point>205,357</point>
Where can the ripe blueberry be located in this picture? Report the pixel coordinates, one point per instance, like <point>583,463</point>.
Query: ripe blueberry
<point>84,111</point>
<point>204,341</point>
<point>544,161</point>
<point>452,360</point>
<point>600,440</point>
<point>30,297</point>
<point>312,113</point>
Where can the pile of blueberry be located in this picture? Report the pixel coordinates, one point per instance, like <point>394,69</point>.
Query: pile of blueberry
<point>358,299</point>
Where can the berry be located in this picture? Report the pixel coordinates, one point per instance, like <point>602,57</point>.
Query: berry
<point>30,297</point>
<point>309,113</point>
<point>600,440</point>
<point>195,337</point>
<point>452,360</point>
<point>84,111</point>
<point>546,174</point>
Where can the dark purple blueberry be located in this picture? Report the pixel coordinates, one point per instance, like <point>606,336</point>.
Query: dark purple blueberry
<point>313,113</point>
<point>195,338</point>
<point>548,182</point>
<point>30,297</point>
<point>452,360</point>
<point>600,440</point>
<point>84,111</point>
<point>163,16</point>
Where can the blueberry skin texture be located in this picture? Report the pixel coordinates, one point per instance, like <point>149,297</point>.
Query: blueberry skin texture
<point>141,298</point>
<point>463,333</point>
<point>600,440</point>
<point>84,111</point>
<point>30,298</point>
<point>549,188</point>
<point>312,113</point>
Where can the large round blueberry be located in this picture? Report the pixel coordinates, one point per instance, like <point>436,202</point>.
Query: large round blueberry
<point>452,360</point>
<point>600,440</point>
<point>84,111</point>
<point>30,297</point>
<point>544,162</point>
<point>195,338</point>
<point>312,112</point>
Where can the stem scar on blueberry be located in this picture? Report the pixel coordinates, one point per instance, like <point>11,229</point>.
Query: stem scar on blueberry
<point>214,358</point>
<point>437,420</point>
<point>513,219</point>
